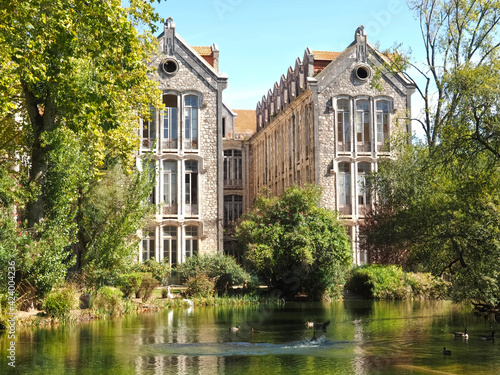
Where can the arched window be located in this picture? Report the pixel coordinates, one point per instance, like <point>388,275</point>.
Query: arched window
<point>170,244</point>
<point>191,240</point>
<point>343,125</point>
<point>382,119</point>
<point>344,186</point>
<point>363,125</point>
<point>233,208</point>
<point>170,130</point>
<point>149,129</point>
<point>191,122</point>
<point>191,187</point>
<point>233,168</point>
<point>170,187</point>
<point>364,199</point>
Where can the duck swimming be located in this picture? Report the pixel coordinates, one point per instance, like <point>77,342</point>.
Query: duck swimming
<point>446,351</point>
<point>463,335</point>
<point>322,325</point>
<point>234,329</point>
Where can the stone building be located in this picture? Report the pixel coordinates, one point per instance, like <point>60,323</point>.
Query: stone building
<point>324,123</point>
<point>185,141</point>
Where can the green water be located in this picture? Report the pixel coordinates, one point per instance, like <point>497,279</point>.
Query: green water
<point>363,337</point>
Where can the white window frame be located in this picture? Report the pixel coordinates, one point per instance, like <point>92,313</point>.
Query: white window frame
<point>363,125</point>
<point>191,121</point>
<point>170,186</point>
<point>344,124</point>
<point>233,208</point>
<point>191,187</point>
<point>191,247</point>
<point>170,126</point>
<point>170,241</point>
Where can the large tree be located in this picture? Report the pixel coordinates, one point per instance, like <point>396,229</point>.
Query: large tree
<point>439,202</point>
<point>73,80</point>
<point>294,245</point>
<point>461,62</point>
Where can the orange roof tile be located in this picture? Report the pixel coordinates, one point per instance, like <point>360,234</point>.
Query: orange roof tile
<point>325,55</point>
<point>246,122</point>
<point>203,50</point>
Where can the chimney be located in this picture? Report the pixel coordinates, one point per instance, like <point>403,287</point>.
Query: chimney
<point>215,54</point>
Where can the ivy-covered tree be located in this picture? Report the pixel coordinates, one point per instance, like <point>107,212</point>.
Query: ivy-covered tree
<point>294,245</point>
<point>73,81</point>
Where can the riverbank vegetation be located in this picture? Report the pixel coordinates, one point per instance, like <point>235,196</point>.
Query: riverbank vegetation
<point>392,283</point>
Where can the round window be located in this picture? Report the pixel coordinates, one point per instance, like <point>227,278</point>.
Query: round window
<point>362,72</point>
<point>170,66</point>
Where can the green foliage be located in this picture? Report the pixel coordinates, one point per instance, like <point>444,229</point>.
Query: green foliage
<point>159,270</point>
<point>74,78</point>
<point>129,283</point>
<point>148,285</point>
<point>199,286</point>
<point>440,212</point>
<point>222,270</point>
<point>294,245</point>
<point>391,282</point>
<point>108,301</point>
<point>59,303</point>
<point>111,212</point>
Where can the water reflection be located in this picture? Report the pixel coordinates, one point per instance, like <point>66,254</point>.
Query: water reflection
<point>363,337</point>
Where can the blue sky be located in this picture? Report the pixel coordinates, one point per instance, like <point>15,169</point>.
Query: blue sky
<point>259,40</point>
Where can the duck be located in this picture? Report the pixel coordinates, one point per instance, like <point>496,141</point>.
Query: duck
<point>234,329</point>
<point>446,351</point>
<point>463,335</point>
<point>322,325</point>
<point>490,338</point>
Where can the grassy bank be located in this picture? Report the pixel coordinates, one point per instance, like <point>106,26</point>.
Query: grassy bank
<point>391,282</point>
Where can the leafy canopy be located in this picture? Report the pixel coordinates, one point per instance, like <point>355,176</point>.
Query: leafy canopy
<point>294,245</point>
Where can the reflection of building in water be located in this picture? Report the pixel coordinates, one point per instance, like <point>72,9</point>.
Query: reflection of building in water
<point>157,335</point>
<point>323,122</point>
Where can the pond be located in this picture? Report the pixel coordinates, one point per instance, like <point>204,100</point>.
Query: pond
<point>363,337</point>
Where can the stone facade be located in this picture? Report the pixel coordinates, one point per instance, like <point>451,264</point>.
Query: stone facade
<point>324,123</point>
<point>185,141</point>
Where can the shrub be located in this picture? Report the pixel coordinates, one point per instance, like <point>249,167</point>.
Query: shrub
<point>199,286</point>
<point>148,284</point>
<point>222,270</point>
<point>129,283</point>
<point>159,270</point>
<point>58,304</point>
<point>108,301</point>
<point>295,245</point>
<point>391,282</point>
